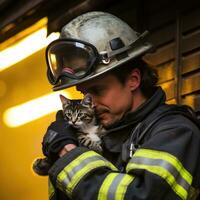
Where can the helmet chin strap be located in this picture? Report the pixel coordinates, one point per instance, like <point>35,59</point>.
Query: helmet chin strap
<point>105,56</point>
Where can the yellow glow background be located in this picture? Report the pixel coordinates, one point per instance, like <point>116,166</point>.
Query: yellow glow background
<point>23,82</point>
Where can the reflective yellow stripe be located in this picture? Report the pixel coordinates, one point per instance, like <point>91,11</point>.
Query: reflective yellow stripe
<point>51,189</point>
<point>105,186</point>
<point>165,175</point>
<point>122,187</point>
<point>114,186</point>
<point>164,165</point>
<point>168,157</point>
<point>78,168</point>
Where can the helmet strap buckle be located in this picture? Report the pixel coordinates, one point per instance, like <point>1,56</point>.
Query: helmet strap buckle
<point>104,58</point>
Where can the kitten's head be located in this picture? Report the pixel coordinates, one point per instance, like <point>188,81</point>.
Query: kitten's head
<point>78,113</point>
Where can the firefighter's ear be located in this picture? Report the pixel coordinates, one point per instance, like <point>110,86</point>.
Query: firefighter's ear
<point>134,79</point>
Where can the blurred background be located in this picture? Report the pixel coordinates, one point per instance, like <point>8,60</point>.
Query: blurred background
<point>27,103</point>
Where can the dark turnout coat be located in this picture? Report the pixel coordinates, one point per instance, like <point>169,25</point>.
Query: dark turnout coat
<point>152,154</point>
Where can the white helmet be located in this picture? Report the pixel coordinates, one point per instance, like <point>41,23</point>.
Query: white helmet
<point>90,45</point>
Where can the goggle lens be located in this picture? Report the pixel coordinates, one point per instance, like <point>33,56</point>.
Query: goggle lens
<point>70,58</point>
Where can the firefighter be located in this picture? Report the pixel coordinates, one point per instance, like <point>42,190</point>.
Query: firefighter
<point>151,150</point>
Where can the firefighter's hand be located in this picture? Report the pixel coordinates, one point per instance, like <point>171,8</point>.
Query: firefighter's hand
<point>67,148</point>
<point>58,135</point>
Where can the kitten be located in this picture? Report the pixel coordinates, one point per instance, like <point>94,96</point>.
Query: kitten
<point>80,115</point>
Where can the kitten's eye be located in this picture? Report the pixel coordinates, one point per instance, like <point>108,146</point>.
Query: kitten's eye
<point>68,114</point>
<point>80,114</point>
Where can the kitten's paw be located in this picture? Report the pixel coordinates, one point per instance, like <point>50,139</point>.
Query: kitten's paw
<point>93,145</point>
<point>96,147</point>
<point>83,140</point>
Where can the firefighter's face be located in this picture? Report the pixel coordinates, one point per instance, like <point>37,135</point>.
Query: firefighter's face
<point>112,99</point>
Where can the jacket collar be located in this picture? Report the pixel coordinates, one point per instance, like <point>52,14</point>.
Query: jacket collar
<point>118,133</point>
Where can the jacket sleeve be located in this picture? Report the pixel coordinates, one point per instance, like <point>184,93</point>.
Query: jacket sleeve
<point>163,168</point>
<point>84,174</point>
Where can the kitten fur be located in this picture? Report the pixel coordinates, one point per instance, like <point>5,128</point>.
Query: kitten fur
<point>80,115</point>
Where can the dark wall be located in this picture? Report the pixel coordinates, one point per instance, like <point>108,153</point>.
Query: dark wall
<point>175,30</point>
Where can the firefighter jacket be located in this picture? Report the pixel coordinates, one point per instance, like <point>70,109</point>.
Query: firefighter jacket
<point>163,165</point>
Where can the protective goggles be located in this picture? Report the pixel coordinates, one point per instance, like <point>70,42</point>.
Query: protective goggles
<point>75,59</point>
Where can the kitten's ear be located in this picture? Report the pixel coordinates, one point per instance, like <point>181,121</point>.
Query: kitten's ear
<point>64,100</point>
<point>87,101</point>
